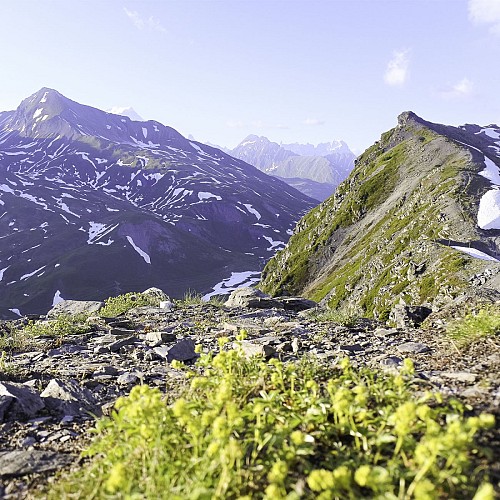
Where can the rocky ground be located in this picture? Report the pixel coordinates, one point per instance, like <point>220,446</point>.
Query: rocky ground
<point>51,391</point>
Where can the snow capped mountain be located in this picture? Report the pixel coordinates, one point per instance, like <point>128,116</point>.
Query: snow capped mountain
<point>130,112</point>
<point>313,170</point>
<point>93,204</point>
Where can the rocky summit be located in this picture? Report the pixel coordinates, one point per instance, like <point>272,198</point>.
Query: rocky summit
<point>417,222</point>
<point>94,204</point>
<point>52,388</point>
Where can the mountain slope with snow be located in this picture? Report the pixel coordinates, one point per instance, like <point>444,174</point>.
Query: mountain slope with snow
<point>94,204</point>
<point>320,167</point>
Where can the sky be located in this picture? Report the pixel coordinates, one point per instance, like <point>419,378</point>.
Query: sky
<point>291,70</point>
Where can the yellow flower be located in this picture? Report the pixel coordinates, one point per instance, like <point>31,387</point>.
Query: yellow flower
<point>117,478</point>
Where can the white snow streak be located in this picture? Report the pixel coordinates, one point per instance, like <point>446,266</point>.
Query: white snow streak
<point>57,298</point>
<point>204,195</point>
<point>473,252</point>
<point>252,210</point>
<point>142,253</point>
<point>488,215</point>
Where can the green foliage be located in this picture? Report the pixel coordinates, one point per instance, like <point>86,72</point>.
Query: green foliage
<point>346,316</point>
<point>245,428</point>
<point>60,327</point>
<point>114,306</point>
<point>192,298</point>
<point>474,325</point>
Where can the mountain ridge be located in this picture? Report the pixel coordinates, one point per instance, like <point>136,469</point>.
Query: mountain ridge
<point>387,234</point>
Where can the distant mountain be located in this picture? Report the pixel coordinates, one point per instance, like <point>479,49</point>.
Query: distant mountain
<point>320,168</point>
<point>417,222</point>
<point>93,204</point>
<point>130,112</point>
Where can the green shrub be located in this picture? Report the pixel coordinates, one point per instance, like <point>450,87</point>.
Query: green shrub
<point>114,306</point>
<point>475,324</point>
<point>250,429</point>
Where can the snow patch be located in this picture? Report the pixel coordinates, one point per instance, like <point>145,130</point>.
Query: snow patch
<point>252,210</point>
<point>37,113</point>
<point>145,132</point>
<point>236,280</point>
<point>16,311</point>
<point>491,172</point>
<point>274,244</point>
<point>473,252</point>
<point>204,195</point>
<point>142,253</point>
<point>29,275</point>
<point>57,298</point>
<point>2,271</point>
<point>488,215</point>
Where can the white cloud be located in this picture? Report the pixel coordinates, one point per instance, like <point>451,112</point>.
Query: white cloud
<point>150,23</point>
<point>462,88</point>
<point>235,124</point>
<point>397,68</point>
<point>486,12</point>
<point>262,124</point>
<point>313,121</point>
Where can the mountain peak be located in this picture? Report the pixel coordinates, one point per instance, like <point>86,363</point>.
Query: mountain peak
<point>126,111</point>
<point>408,116</point>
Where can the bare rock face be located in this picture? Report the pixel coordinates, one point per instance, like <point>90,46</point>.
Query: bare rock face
<point>74,307</point>
<point>68,398</point>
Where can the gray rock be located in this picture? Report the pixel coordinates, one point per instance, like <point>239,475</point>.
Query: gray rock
<point>182,351</point>
<point>157,293</point>
<point>68,398</point>
<point>5,402</point>
<point>121,332</point>
<point>118,344</point>
<point>71,307</point>
<point>409,316</point>
<point>351,348</point>
<point>391,361</point>
<point>17,463</point>
<point>160,337</point>
<point>413,347</point>
<point>459,376</point>
<point>251,349</point>
<point>251,297</point>
<point>129,378</point>
<point>25,403</point>
<point>296,303</point>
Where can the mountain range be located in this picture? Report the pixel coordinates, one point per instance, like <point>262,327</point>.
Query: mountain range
<point>93,204</point>
<point>417,222</point>
<point>314,170</point>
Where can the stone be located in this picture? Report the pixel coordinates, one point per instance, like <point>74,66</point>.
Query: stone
<point>121,332</point>
<point>68,398</point>
<point>160,337</point>
<point>413,348</point>
<point>167,305</point>
<point>459,376</point>
<point>71,307</point>
<point>5,402</point>
<point>251,349</point>
<point>182,351</point>
<point>251,297</point>
<point>25,403</point>
<point>157,293</point>
<point>118,344</point>
<point>18,463</point>
<point>409,316</point>
<point>296,303</point>
<point>351,348</point>
<point>391,361</point>
<point>386,332</point>
<point>129,378</point>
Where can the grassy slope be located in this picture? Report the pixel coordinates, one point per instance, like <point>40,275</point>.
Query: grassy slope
<point>373,242</point>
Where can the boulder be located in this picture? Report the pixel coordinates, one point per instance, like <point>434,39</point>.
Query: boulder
<point>68,398</point>
<point>71,307</point>
<point>251,297</point>
<point>296,303</point>
<point>157,294</point>
<point>17,463</point>
<point>19,401</point>
<point>409,316</point>
<point>182,351</point>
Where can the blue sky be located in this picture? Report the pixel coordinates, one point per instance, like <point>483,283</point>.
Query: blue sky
<point>294,71</point>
